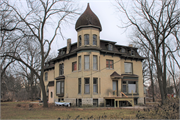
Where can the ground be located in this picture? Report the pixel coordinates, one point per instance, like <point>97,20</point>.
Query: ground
<point>20,110</point>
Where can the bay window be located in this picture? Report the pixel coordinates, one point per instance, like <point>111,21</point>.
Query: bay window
<point>95,85</point>
<point>86,62</point>
<point>79,63</point>
<point>60,88</point>
<point>94,62</point>
<point>86,86</point>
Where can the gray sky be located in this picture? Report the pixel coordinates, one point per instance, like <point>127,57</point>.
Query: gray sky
<point>108,17</point>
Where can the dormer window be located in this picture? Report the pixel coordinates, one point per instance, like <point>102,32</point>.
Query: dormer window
<point>123,50</point>
<point>79,40</point>
<point>132,52</point>
<point>62,52</point>
<point>94,39</point>
<point>86,39</point>
<point>110,47</point>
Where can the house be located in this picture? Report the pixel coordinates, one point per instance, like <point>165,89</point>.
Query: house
<point>92,71</point>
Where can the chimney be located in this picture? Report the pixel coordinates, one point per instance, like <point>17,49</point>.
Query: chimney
<point>68,45</point>
<point>130,45</point>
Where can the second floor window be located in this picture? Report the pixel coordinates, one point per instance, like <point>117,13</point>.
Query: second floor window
<point>61,69</point>
<point>86,39</point>
<point>74,66</point>
<point>79,40</point>
<point>94,62</point>
<point>128,68</point>
<point>94,39</point>
<point>109,64</point>
<point>86,62</point>
<point>46,76</point>
<point>79,63</point>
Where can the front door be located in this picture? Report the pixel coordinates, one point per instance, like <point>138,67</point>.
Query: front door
<point>115,87</point>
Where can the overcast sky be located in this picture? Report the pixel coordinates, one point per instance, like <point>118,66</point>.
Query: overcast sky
<point>109,20</point>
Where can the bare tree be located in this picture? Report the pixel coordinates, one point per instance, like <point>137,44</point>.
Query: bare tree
<point>31,23</point>
<point>155,21</point>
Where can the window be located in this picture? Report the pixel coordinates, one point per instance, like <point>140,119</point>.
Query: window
<point>110,47</point>
<point>132,53</point>
<point>86,62</point>
<point>79,63</point>
<point>109,64</point>
<point>95,85</point>
<point>60,87</point>
<point>51,95</point>
<point>115,87</point>
<point>74,66</point>
<point>86,86</point>
<point>94,62</point>
<point>132,87</point>
<point>123,50</point>
<point>124,87</point>
<point>128,68</point>
<point>95,102</point>
<point>46,76</point>
<point>94,39</point>
<point>79,40</point>
<point>86,39</point>
<point>79,86</point>
<point>61,69</point>
<point>62,52</point>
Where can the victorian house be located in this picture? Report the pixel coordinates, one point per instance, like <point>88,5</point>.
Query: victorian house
<point>92,71</point>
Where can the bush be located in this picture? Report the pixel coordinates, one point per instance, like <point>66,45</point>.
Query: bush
<point>170,110</point>
<point>18,105</point>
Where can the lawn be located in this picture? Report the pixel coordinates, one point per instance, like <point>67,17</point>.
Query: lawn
<point>9,110</point>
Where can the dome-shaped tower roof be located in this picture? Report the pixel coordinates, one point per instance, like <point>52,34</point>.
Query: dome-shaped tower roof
<point>88,19</point>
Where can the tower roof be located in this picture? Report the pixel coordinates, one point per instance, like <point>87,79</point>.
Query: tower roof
<point>88,19</point>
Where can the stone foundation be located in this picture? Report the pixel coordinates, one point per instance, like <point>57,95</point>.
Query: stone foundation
<point>141,100</point>
<point>87,101</point>
<point>71,100</point>
<point>101,102</point>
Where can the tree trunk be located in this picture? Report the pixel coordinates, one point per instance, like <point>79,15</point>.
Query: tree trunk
<point>164,72</point>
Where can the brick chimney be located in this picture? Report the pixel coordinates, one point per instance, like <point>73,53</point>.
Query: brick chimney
<point>68,46</point>
<point>130,45</point>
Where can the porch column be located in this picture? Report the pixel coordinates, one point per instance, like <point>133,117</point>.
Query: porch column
<point>114,103</point>
<point>118,104</point>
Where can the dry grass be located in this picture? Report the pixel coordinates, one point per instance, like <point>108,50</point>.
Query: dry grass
<point>20,110</point>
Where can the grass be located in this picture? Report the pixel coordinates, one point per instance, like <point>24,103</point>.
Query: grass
<point>9,110</point>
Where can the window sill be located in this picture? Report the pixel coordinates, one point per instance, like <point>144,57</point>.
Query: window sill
<point>87,70</point>
<point>60,95</point>
<point>95,93</point>
<point>109,68</point>
<point>95,70</point>
<point>74,71</point>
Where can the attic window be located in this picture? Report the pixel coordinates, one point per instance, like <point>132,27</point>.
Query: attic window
<point>62,52</point>
<point>132,52</point>
<point>110,47</point>
<point>123,50</point>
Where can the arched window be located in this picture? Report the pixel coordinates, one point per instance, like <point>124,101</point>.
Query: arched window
<point>94,39</point>
<point>79,40</point>
<point>86,39</point>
